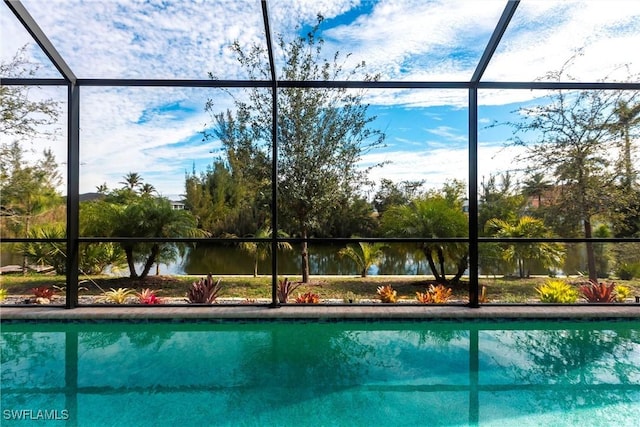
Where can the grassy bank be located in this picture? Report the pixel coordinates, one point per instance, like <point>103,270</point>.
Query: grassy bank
<point>498,289</point>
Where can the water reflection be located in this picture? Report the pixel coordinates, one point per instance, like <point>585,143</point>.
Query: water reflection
<point>326,373</point>
<point>323,260</point>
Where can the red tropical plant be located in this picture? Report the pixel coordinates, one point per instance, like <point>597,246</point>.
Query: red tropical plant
<point>149,297</point>
<point>285,287</point>
<point>43,292</point>
<point>595,292</point>
<point>204,291</point>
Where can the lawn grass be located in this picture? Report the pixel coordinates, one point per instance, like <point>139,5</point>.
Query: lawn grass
<point>498,289</point>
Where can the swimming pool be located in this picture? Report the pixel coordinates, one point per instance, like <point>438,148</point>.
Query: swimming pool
<point>321,373</point>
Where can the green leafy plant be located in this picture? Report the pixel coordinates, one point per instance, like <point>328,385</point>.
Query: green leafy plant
<point>622,293</point>
<point>3,294</point>
<point>628,271</point>
<point>364,255</point>
<point>350,298</point>
<point>285,287</point>
<point>117,296</point>
<point>148,297</point>
<point>558,292</point>
<point>595,292</point>
<point>435,294</point>
<point>387,294</point>
<point>204,291</point>
<point>308,298</point>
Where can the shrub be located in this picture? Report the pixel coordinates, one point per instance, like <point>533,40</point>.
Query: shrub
<point>622,293</point>
<point>435,294</point>
<point>285,288</point>
<point>308,298</point>
<point>595,292</point>
<point>557,292</point>
<point>43,292</point>
<point>387,294</point>
<point>42,295</point>
<point>350,298</point>
<point>440,294</point>
<point>204,291</point>
<point>628,271</point>
<point>424,297</point>
<point>117,296</point>
<point>3,294</point>
<point>148,297</point>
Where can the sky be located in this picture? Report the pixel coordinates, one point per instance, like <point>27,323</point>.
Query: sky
<point>157,132</point>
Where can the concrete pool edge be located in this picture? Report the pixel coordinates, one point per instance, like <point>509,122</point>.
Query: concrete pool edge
<point>307,312</point>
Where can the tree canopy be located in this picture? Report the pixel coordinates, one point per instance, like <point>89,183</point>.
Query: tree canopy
<point>571,141</point>
<point>434,215</point>
<point>322,136</point>
<point>21,116</point>
<point>133,212</point>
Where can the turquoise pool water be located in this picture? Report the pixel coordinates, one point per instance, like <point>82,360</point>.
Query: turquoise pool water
<point>321,374</point>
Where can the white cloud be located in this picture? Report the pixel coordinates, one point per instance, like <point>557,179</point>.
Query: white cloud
<point>413,39</point>
<point>545,34</point>
<point>128,129</point>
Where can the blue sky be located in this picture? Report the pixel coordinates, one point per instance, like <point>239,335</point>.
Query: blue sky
<point>157,131</point>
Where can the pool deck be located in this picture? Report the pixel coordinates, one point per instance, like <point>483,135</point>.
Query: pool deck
<point>322,312</point>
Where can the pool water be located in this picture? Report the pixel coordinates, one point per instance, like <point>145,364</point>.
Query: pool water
<point>321,374</point>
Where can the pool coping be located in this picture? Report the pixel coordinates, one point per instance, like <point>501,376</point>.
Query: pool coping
<point>322,312</point>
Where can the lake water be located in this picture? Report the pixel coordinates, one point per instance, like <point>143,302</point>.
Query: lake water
<point>323,260</point>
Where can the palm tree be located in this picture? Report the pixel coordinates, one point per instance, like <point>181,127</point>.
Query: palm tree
<point>131,180</point>
<point>147,189</point>
<point>260,250</point>
<point>145,217</point>
<point>102,188</point>
<point>433,216</point>
<point>364,254</point>
<point>549,254</point>
<point>535,186</point>
<point>627,118</point>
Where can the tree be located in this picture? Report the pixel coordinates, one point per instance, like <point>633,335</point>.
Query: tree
<point>28,188</point>
<point>392,194</point>
<point>147,189</point>
<point>22,117</point>
<point>28,191</point>
<point>353,217</point>
<point>572,142</point>
<point>498,199</point>
<point>536,185</point>
<point>433,216</point>
<point>364,255</point>
<point>223,204</point>
<point>260,250</point>
<point>626,119</point>
<point>126,214</point>
<point>132,181</point>
<point>547,254</point>
<point>322,133</point>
